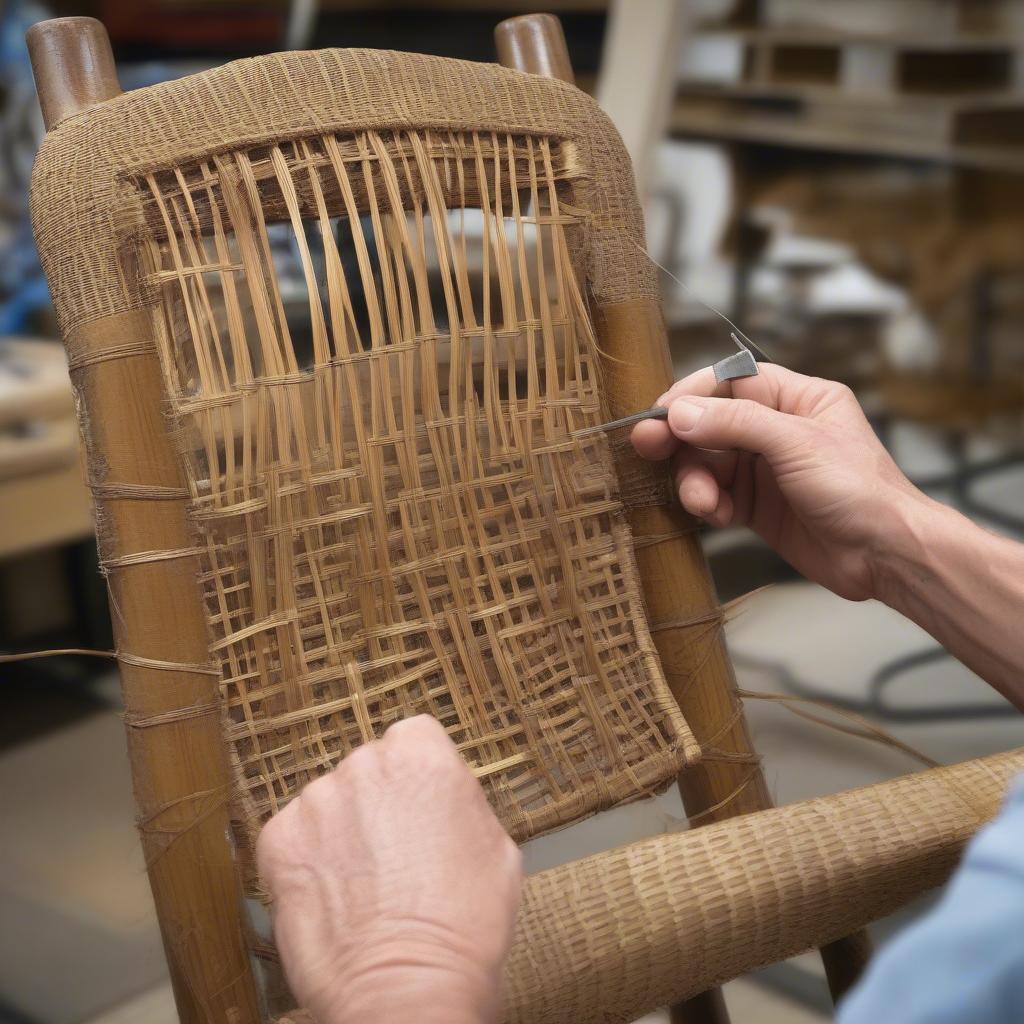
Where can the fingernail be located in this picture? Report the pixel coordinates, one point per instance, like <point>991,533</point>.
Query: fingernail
<point>683,416</point>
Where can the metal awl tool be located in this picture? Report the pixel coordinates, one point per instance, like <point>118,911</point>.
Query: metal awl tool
<point>742,363</point>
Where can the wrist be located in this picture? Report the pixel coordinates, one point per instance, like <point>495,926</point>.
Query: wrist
<point>902,555</point>
<point>408,982</point>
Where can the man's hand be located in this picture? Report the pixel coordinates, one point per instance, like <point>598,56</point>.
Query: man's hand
<point>394,886</point>
<point>792,457</point>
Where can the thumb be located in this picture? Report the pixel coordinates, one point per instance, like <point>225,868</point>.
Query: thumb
<point>735,423</point>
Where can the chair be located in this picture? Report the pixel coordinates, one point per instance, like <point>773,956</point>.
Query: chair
<point>333,321</point>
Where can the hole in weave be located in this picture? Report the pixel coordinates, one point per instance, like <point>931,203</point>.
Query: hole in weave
<point>362,286</point>
<point>291,286</point>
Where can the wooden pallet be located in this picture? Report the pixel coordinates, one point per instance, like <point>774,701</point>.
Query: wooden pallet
<point>950,18</point>
<point>868,65</point>
<point>988,136</point>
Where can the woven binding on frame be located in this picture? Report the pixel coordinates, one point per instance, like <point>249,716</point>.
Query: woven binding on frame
<point>391,512</point>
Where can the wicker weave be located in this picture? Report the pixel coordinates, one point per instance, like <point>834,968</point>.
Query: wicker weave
<point>391,513</point>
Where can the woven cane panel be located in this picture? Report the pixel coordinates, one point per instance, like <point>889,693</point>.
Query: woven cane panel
<point>393,515</point>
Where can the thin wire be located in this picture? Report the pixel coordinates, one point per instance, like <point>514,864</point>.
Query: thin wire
<point>690,293</point>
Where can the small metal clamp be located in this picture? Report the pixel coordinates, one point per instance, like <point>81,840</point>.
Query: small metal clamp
<point>742,363</point>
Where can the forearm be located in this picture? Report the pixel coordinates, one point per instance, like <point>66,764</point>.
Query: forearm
<point>961,583</point>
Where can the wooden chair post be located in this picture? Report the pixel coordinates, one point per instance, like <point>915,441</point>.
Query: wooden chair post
<point>73,66</point>
<point>171,694</point>
<point>681,602</point>
<point>534,43</point>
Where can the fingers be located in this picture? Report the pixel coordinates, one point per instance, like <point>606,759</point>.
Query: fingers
<point>736,424</point>
<point>421,745</point>
<point>702,382</point>
<point>702,495</point>
<point>697,488</point>
<point>724,511</point>
<point>418,728</point>
<point>653,439</point>
<point>774,387</point>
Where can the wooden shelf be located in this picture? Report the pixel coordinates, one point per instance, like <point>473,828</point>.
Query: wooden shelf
<point>830,93</point>
<point>898,71</point>
<point>793,132</point>
<point>797,36</point>
<point>506,7</point>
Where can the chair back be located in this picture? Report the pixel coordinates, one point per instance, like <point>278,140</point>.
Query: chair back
<point>331,322</point>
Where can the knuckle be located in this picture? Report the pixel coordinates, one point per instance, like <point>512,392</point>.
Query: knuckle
<point>422,738</point>
<point>361,758</point>
<point>402,763</point>
<point>442,761</point>
<point>746,413</point>
<point>418,726</point>
<point>840,390</point>
<point>324,790</point>
<point>427,725</point>
<point>356,767</point>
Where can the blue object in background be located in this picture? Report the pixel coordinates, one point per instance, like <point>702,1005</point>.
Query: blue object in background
<point>23,289</point>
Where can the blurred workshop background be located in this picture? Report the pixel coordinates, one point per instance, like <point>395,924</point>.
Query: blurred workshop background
<point>843,179</point>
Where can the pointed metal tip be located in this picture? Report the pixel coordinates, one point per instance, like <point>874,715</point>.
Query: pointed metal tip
<point>744,344</point>
<point>657,413</point>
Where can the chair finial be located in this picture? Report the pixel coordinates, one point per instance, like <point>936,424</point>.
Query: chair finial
<point>73,66</point>
<point>534,43</point>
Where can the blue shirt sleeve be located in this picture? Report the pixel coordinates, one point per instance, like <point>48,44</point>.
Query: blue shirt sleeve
<point>963,963</point>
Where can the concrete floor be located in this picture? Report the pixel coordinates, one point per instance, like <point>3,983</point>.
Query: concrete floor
<point>79,939</point>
